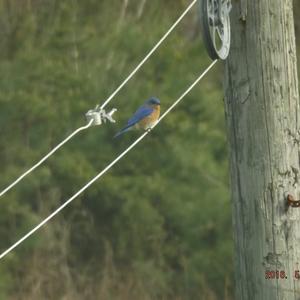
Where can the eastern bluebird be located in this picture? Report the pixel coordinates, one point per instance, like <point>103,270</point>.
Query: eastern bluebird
<point>144,118</point>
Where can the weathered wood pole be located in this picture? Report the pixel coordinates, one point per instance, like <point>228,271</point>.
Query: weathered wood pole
<point>262,113</point>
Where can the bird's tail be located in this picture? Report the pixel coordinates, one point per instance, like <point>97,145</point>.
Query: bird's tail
<point>122,131</point>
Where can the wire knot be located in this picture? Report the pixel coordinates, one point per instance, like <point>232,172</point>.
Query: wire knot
<point>99,116</point>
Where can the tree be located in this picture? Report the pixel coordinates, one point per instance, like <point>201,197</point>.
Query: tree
<point>262,112</point>
<point>148,230</point>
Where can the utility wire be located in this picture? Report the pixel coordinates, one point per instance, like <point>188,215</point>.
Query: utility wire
<point>104,104</point>
<point>148,55</point>
<point>106,168</point>
<point>45,158</point>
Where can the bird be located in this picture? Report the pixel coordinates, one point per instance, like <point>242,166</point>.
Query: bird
<point>144,118</point>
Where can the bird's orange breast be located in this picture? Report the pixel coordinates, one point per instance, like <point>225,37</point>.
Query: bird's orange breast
<point>150,120</point>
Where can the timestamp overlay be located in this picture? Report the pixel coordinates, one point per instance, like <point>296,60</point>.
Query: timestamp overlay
<point>282,274</point>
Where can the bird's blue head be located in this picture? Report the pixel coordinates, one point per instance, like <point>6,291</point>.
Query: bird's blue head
<point>153,101</point>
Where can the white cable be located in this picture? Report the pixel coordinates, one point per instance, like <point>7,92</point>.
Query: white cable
<point>104,170</point>
<point>187,91</point>
<point>105,103</point>
<point>44,158</point>
<point>148,55</point>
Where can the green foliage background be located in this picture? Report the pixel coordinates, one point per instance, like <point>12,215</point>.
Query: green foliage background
<point>158,225</point>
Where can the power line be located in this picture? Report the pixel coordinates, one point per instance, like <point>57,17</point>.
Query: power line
<point>106,168</point>
<point>105,103</point>
<point>187,91</point>
<point>45,158</point>
<point>148,55</point>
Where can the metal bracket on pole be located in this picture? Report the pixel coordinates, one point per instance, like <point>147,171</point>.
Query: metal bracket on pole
<point>99,116</point>
<point>292,202</point>
<point>215,25</point>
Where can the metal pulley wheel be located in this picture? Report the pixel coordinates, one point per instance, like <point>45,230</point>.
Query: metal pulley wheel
<point>215,25</point>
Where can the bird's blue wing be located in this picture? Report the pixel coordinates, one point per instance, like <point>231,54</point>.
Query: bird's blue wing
<point>140,114</point>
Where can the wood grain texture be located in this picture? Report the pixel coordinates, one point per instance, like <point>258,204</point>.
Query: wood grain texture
<point>262,113</point>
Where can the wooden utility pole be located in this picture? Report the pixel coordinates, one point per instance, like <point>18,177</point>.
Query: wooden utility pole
<point>263,119</point>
